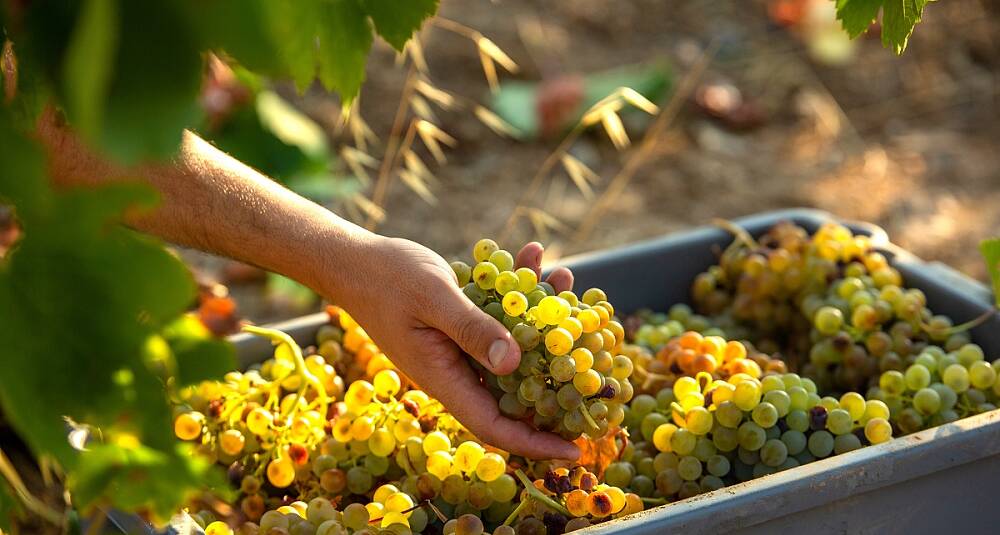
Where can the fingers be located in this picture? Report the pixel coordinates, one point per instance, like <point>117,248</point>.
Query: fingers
<point>476,332</point>
<point>530,256</point>
<point>462,394</point>
<point>561,279</point>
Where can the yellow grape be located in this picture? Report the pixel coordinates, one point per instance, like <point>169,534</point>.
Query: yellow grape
<point>662,435</point>
<point>490,467</point>
<point>362,428</point>
<point>281,472</point>
<point>218,528</point>
<point>583,358</point>
<point>574,327</point>
<point>552,310</point>
<point>439,464</point>
<point>483,249</point>
<point>467,456</point>
<point>617,496</point>
<point>436,441</point>
<point>558,341</point>
<point>398,502</point>
<point>375,509</point>
<point>527,279</point>
<point>514,303</point>
<point>387,383</point>
<point>381,442</point>
<point>589,319</point>
<point>383,492</point>
<point>393,517</point>
<point>187,425</point>
<point>588,383</point>
<point>359,394</point>
<point>593,296</point>
<point>231,441</point>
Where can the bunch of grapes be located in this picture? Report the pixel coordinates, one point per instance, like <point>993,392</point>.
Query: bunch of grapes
<point>346,345</point>
<point>715,428</point>
<point>579,497</point>
<point>939,387</point>
<point>572,379</point>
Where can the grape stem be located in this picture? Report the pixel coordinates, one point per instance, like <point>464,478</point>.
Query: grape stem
<point>738,232</point>
<point>533,492</point>
<point>962,327</point>
<point>654,501</point>
<point>588,417</point>
<point>308,378</point>
<point>27,499</point>
<point>517,510</point>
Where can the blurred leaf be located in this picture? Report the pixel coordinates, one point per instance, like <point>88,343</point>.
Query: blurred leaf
<point>290,125</point>
<point>345,37</point>
<point>991,253</point>
<point>289,292</point>
<point>323,187</point>
<point>7,506</point>
<point>396,21</point>
<point>141,478</point>
<point>89,62</point>
<point>294,29</point>
<point>156,82</point>
<point>243,29</point>
<point>198,354</point>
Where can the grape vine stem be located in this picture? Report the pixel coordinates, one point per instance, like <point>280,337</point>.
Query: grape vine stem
<point>29,500</point>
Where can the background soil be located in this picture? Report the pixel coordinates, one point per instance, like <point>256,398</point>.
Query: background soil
<point>910,143</point>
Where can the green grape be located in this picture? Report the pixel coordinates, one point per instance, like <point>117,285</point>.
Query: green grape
<point>511,406</point>
<point>454,489</point>
<point>619,474</point>
<point>917,377</point>
<point>504,488</point>
<point>798,420</point>
<point>462,272</point>
<point>502,260</point>
<point>969,353</point>
<point>828,320</point>
<point>642,485</point>
<point>506,282</point>
<point>770,383</point>
<point>475,294</point>
<point>795,441</point>
<point>725,438</point>
<point>704,449</point>
<point>668,481</point>
<point>750,436</point>
<point>820,444</point>
<point>798,398</point>
<point>982,375</point>
<point>548,404</point>
<point>956,377</point>
<point>773,453</point>
<point>642,405</point>
<point>909,420</point>
<point>846,443</point>
<point>682,442</point>
<point>948,396</point>
<point>765,415</point>
<point>927,401</point>
<point>359,480</point>
<point>569,398</point>
<point>526,336</point>
<point>727,414</point>
<point>839,421</point>
<point>780,400</point>
<point>532,388</point>
<point>892,382</point>
<point>718,465</point>
<point>689,468</point>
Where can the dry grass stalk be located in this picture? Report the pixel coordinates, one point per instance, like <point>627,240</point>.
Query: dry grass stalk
<point>495,123</point>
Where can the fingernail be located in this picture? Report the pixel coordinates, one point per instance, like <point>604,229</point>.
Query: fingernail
<point>498,352</point>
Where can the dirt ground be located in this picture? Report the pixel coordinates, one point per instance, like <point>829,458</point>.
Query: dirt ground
<point>909,143</point>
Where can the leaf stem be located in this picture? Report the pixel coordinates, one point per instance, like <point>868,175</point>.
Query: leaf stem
<point>300,364</point>
<point>517,510</point>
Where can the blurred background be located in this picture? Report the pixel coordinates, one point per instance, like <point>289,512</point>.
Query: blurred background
<point>761,105</point>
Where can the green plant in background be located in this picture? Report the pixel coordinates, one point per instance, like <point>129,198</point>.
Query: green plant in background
<point>91,314</point>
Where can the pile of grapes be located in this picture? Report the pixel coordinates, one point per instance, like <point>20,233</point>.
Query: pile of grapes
<point>797,348</point>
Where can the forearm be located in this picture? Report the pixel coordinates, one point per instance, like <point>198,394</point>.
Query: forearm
<point>211,201</point>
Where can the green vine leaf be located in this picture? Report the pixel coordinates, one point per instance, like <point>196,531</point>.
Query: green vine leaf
<point>7,506</point>
<point>89,63</point>
<point>198,355</point>
<point>396,21</point>
<point>142,479</point>
<point>991,253</point>
<point>345,37</point>
<point>898,19</point>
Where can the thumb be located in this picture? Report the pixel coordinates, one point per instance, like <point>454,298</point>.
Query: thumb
<point>476,332</point>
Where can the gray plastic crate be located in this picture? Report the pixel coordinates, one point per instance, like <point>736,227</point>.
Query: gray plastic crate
<point>940,479</point>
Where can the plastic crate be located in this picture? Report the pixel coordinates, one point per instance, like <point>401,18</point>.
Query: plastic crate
<point>937,479</point>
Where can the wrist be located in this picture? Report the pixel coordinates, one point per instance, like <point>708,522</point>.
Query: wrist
<point>338,256</point>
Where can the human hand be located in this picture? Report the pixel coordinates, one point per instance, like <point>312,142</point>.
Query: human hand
<point>408,301</point>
